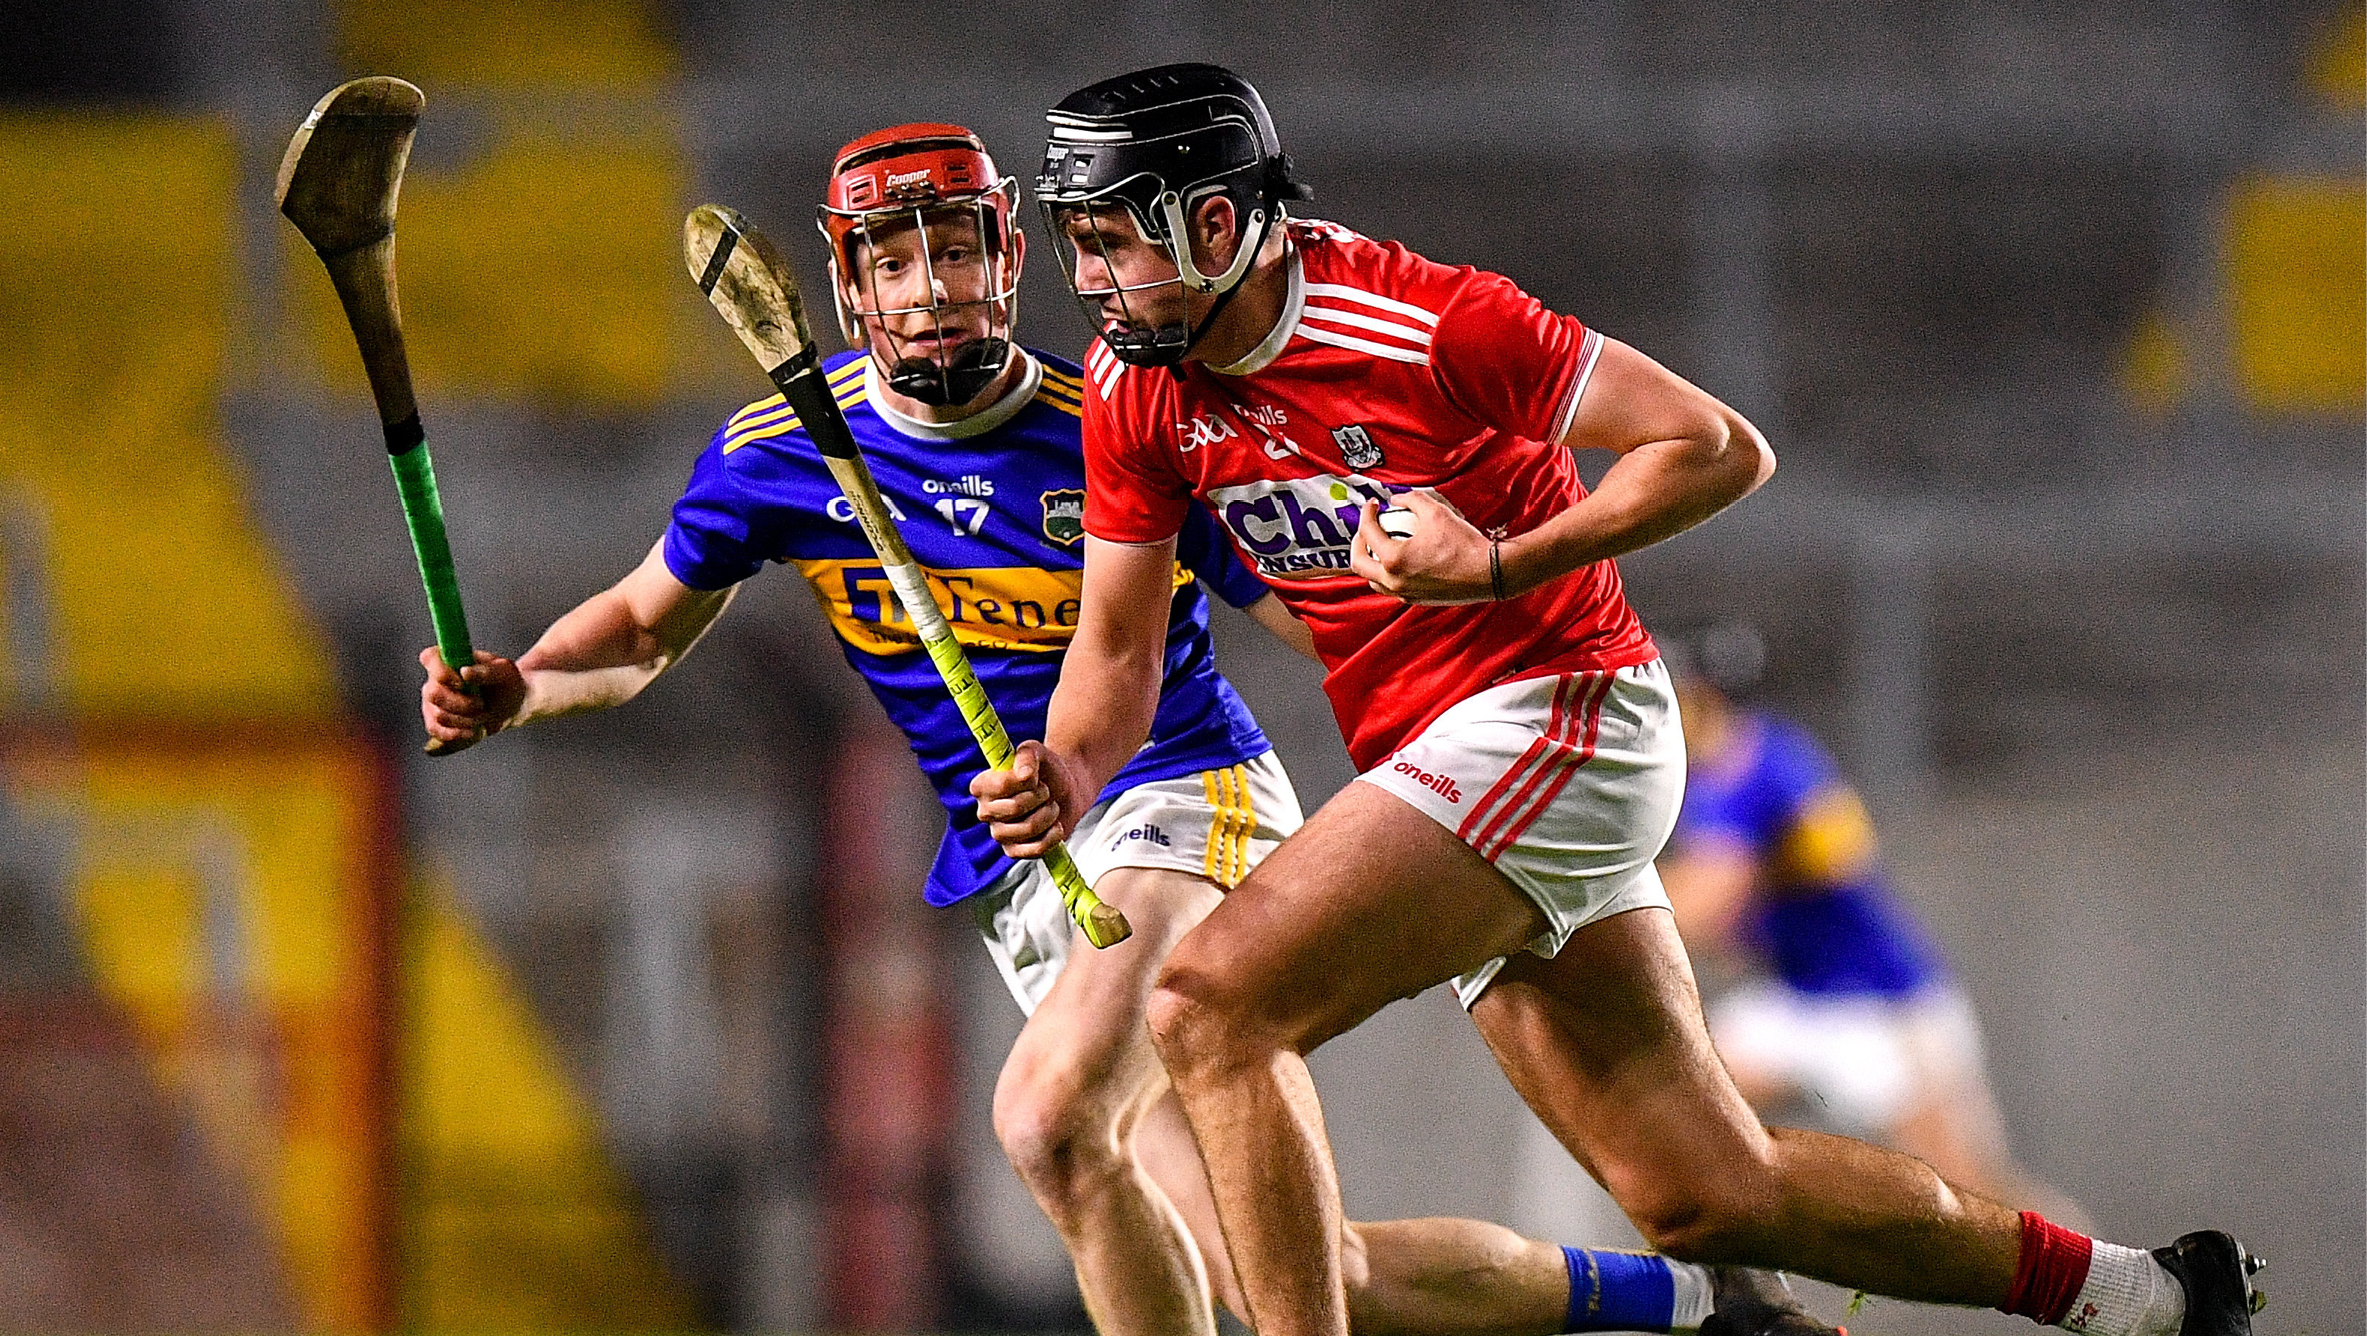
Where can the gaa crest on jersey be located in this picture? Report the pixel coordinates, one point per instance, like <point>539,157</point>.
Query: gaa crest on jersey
<point>1064,515</point>
<point>1358,450</point>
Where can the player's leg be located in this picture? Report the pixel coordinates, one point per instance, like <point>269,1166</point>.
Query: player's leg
<point>1606,1042</point>
<point>1078,1108</point>
<point>1438,1276</point>
<point>1357,909</point>
<point>1079,1112</point>
<point>1380,896</point>
<point>1069,1107</point>
<point>1442,1276</point>
<point>1375,899</point>
<point>1250,991</point>
<point>1430,1277</point>
<point>1450,1277</point>
<point>1163,1143</point>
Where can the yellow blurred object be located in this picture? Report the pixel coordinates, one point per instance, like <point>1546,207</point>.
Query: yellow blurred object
<point>164,598</point>
<point>2297,251</point>
<point>507,43</point>
<point>1833,841</point>
<point>518,1221</point>
<point>2338,63</point>
<point>128,345</point>
<point>543,270</point>
<point>2155,370</point>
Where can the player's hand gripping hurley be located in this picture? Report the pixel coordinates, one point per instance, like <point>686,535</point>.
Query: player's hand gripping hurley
<point>338,184</point>
<point>746,280</point>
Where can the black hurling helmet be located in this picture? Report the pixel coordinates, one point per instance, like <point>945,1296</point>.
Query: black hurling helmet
<point>1157,142</point>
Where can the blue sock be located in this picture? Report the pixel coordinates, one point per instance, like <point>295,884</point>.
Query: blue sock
<point>1619,1291</point>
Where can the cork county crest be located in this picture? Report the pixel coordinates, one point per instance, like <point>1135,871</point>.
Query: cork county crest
<point>1357,447</point>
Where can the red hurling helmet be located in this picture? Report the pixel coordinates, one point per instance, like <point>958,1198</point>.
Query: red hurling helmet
<point>908,176</point>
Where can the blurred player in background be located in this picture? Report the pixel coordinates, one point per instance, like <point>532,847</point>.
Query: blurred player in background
<point>1847,1013</point>
<point>1384,438</point>
<point>975,443</point>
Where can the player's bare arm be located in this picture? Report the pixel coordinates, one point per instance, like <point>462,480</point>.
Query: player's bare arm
<point>1270,613</point>
<point>1102,709</point>
<point>600,654</point>
<point>1683,457</point>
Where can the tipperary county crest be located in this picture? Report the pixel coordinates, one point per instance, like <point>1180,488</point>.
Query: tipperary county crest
<point>1357,448</point>
<point>1064,515</point>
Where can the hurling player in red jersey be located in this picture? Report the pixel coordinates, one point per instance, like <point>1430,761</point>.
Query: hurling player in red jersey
<point>1522,755</point>
<point>925,256</point>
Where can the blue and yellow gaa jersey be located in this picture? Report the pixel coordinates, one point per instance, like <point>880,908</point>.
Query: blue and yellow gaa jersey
<point>996,518</point>
<point>1826,918</point>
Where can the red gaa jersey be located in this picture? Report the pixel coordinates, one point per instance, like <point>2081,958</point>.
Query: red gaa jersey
<point>1386,372</point>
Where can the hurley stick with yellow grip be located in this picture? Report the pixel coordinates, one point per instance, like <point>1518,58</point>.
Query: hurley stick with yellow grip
<point>747,282</point>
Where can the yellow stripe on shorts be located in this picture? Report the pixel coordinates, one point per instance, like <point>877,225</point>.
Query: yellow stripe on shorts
<point>1234,817</point>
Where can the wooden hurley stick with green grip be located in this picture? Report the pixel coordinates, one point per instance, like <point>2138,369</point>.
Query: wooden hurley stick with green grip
<point>338,184</point>
<point>757,295</point>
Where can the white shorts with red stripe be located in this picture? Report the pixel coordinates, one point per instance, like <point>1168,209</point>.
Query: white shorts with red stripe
<point>1568,784</point>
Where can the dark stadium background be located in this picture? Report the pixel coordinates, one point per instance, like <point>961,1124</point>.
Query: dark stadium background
<point>2052,311</point>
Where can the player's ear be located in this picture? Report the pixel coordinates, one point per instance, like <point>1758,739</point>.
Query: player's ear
<point>1216,230</point>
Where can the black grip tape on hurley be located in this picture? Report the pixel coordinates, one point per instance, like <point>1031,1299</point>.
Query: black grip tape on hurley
<point>368,239</point>
<point>724,246</point>
<point>800,382</point>
<point>404,436</point>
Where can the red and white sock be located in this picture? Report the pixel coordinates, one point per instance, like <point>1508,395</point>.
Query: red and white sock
<point>2085,1285</point>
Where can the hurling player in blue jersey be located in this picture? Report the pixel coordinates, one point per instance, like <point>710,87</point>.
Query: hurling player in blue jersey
<point>975,442</point>
<point>1847,1012</point>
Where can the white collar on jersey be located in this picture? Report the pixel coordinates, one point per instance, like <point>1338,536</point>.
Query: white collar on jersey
<point>1278,337</point>
<point>984,420</point>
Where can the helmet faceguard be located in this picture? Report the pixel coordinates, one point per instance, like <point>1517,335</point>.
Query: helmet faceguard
<point>1156,143</point>
<point>924,178</point>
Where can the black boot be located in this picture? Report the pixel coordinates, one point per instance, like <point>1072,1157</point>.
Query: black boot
<point>2216,1274</point>
<point>1758,1303</point>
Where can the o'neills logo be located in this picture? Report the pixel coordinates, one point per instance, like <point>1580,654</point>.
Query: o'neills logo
<point>1442,785</point>
<point>1296,527</point>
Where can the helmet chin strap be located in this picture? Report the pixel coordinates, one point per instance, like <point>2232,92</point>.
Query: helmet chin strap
<point>1169,345</point>
<point>957,381</point>
<point>1171,210</point>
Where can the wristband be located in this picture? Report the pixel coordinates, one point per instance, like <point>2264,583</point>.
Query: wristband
<point>1496,569</point>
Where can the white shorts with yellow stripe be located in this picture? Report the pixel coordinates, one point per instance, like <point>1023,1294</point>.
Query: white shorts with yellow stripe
<point>1215,825</point>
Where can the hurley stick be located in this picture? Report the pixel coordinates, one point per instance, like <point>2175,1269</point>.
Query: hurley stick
<point>757,295</point>
<point>338,184</point>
